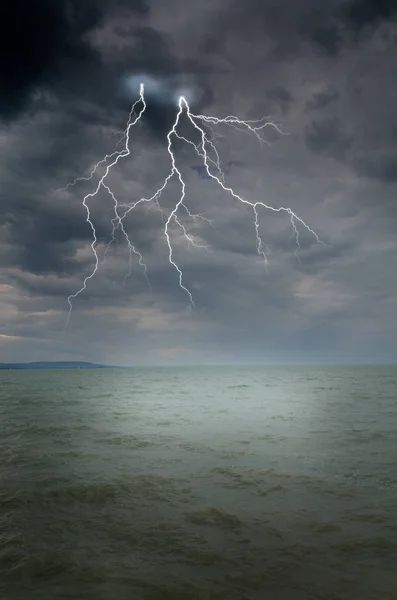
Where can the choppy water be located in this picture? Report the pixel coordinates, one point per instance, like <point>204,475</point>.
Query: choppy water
<point>207,484</point>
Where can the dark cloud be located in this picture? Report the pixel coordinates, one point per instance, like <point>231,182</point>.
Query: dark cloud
<point>328,137</point>
<point>364,13</point>
<point>280,97</point>
<point>280,94</point>
<point>330,27</point>
<point>151,53</point>
<point>44,42</point>
<point>323,30</point>
<point>326,70</point>
<point>383,168</point>
<point>322,99</point>
<point>39,41</point>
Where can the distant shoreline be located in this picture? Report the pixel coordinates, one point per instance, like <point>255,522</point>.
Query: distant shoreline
<point>54,365</point>
<point>81,365</point>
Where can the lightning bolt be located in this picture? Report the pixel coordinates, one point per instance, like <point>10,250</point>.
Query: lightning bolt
<point>206,150</point>
<point>117,222</point>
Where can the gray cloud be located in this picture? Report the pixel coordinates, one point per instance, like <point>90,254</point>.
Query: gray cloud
<point>44,44</point>
<point>383,168</point>
<point>320,100</point>
<point>324,73</point>
<point>327,136</point>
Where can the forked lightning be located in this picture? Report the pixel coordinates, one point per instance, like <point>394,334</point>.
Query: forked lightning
<point>207,152</point>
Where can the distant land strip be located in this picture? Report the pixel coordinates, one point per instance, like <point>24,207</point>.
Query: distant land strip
<point>55,365</point>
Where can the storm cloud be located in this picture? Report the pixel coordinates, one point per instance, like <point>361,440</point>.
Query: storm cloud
<point>325,73</point>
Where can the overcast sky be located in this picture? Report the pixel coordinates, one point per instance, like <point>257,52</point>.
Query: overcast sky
<point>326,72</point>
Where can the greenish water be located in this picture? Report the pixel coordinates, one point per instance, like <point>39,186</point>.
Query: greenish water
<point>206,483</point>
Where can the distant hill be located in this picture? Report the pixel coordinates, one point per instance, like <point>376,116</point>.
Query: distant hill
<point>53,365</point>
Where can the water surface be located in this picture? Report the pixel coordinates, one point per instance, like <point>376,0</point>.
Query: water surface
<point>199,483</point>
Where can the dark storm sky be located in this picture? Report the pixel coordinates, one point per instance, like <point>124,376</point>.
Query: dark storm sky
<point>327,72</point>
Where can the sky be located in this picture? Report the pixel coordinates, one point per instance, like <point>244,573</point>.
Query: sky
<point>326,73</point>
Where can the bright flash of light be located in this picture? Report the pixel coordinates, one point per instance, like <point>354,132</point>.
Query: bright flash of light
<point>165,90</point>
<point>206,150</point>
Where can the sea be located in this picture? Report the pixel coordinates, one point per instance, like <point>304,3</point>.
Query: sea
<point>206,483</point>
